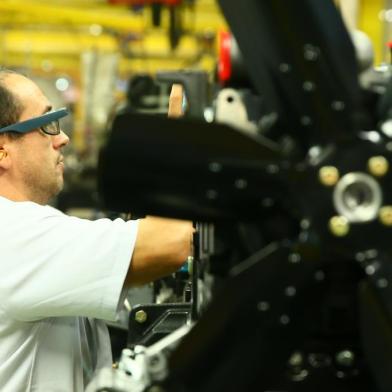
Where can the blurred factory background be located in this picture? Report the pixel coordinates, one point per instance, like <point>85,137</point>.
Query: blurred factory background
<point>85,52</point>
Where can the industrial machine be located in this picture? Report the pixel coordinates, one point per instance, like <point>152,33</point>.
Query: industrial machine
<point>289,288</point>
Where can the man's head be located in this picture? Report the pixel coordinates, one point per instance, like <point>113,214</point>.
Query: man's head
<point>31,164</point>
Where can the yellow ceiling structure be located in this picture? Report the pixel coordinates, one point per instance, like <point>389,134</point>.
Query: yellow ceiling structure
<point>56,32</point>
<point>80,39</point>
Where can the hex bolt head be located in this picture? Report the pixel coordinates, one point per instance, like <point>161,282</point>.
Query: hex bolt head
<point>385,215</point>
<point>378,166</point>
<point>329,175</point>
<point>296,359</point>
<point>345,358</point>
<point>141,316</point>
<point>339,226</point>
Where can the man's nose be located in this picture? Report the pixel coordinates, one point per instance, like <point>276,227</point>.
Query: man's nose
<point>60,140</point>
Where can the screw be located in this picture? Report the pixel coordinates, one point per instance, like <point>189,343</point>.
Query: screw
<point>300,375</point>
<point>141,316</point>
<point>294,258</point>
<point>296,359</point>
<point>378,166</point>
<point>284,68</point>
<point>329,175</point>
<point>345,358</point>
<point>370,269</point>
<point>337,105</point>
<point>263,306</point>
<point>211,194</point>
<point>308,85</point>
<point>385,215</point>
<point>215,167</point>
<point>311,53</point>
<point>306,121</point>
<point>290,291</point>
<point>339,226</point>
<point>240,183</point>
<point>284,319</point>
<point>319,275</point>
<point>382,283</point>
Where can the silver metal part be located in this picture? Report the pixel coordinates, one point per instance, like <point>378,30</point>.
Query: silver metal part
<point>115,381</point>
<point>139,368</point>
<point>296,359</point>
<point>357,197</point>
<point>345,358</point>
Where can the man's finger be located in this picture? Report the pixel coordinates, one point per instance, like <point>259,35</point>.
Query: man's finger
<point>175,101</point>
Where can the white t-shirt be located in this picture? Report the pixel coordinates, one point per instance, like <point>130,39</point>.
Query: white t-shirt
<point>57,275</point>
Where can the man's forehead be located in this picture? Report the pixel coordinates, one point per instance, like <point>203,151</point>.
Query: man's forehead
<point>20,84</point>
<point>28,93</point>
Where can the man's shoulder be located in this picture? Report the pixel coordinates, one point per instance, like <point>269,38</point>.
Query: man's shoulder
<point>27,208</point>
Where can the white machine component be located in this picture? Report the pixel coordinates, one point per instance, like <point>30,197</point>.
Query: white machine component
<point>139,368</point>
<point>231,110</point>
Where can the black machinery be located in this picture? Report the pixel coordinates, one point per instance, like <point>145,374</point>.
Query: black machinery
<point>295,220</point>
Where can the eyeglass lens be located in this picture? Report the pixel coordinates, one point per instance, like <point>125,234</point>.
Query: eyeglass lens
<point>53,128</point>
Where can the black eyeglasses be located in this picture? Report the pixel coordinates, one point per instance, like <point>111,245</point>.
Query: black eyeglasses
<point>48,123</point>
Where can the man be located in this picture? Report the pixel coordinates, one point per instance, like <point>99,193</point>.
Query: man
<point>58,273</point>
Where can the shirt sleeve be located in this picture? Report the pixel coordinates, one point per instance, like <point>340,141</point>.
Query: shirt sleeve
<point>64,266</point>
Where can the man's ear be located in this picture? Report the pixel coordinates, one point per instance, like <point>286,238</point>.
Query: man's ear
<point>3,153</point>
<point>4,162</point>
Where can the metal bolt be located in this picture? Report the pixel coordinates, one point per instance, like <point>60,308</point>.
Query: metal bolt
<point>319,275</point>
<point>339,226</point>
<point>337,105</point>
<point>211,194</point>
<point>382,283</point>
<point>240,183</point>
<point>306,121</point>
<point>385,215</point>
<point>284,68</point>
<point>311,53</point>
<point>284,319</point>
<point>300,375</point>
<point>290,291</point>
<point>215,167</point>
<point>308,86</point>
<point>141,316</point>
<point>345,358</point>
<point>296,359</point>
<point>370,269</point>
<point>263,306</point>
<point>272,169</point>
<point>294,258</point>
<point>378,166</point>
<point>329,175</point>
<point>305,224</point>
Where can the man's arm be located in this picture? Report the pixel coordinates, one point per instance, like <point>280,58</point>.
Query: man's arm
<point>162,246</point>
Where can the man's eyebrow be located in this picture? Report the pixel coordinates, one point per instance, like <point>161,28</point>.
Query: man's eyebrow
<point>47,109</point>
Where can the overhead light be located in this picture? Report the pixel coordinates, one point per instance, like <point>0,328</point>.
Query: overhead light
<point>62,84</point>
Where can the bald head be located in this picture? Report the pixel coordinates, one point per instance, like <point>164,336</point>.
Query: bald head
<point>11,107</point>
